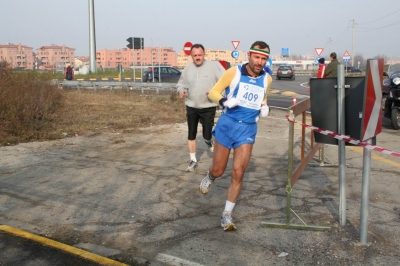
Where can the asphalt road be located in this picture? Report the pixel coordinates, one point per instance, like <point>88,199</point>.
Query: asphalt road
<point>125,197</point>
<point>17,251</point>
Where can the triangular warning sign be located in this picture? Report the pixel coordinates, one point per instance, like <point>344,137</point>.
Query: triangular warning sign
<point>346,54</point>
<point>235,44</point>
<point>319,51</point>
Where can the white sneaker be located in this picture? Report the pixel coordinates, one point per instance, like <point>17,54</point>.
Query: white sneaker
<point>210,144</point>
<point>205,184</point>
<point>227,222</point>
<point>192,166</point>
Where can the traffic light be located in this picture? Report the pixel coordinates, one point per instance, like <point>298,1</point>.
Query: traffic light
<point>135,43</point>
<point>130,45</point>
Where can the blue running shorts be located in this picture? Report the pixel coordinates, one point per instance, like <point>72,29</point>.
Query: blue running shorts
<point>232,133</point>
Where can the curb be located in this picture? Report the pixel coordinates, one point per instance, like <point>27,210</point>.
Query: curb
<point>66,248</point>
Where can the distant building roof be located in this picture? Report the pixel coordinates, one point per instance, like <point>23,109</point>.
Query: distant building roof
<point>11,45</point>
<point>83,58</point>
<point>55,46</point>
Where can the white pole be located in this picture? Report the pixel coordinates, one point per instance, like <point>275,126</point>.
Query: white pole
<point>341,144</point>
<point>365,194</point>
<point>92,38</point>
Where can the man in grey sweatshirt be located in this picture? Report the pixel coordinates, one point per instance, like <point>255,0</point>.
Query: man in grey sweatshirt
<point>196,81</point>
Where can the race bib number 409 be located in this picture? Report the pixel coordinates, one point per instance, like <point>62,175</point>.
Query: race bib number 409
<point>250,96</point>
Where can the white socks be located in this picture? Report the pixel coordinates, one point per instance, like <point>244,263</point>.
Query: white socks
<point>229,206</point>
<point>193,157</point>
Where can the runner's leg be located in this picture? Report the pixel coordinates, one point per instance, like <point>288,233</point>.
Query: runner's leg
<point>241,159</point>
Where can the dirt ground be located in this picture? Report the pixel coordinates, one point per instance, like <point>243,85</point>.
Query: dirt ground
<point>125,195</point>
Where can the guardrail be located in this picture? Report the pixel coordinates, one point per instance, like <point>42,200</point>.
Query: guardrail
<point>115,85</point>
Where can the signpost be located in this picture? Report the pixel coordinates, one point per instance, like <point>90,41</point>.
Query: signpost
<point>346,58</point>
<point>235,54</point>
<point>371,126</point>
<point>235,44</point>
<point>186,48</point>
<point>319,51</point>
<point>285,52</point>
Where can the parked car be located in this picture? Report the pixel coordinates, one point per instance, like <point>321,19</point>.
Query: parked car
<point>352,69</point>
<point>167,74</point>
<point>285,71</point>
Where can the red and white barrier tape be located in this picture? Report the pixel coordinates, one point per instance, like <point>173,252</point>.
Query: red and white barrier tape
<point>346,139</point>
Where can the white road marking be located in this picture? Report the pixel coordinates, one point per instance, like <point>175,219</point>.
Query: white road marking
<point>305,85</point>
<point>171,260</point>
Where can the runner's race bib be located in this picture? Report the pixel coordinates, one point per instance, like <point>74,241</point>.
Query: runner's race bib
<point>250,96</point>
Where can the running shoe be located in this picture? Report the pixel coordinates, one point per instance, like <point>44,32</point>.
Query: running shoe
<point>192,165</point>
<point>206,183</point>
<point>210,144</point>
<point>227,222</point>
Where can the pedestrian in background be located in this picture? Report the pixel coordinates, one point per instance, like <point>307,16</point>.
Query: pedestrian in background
<point>331,69</point>
<point>196,81</point>
<point>69,73</point>
<point>246,88</point>
<point>321,69</point>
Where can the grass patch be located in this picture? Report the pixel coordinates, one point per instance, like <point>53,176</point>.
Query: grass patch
<point>88,111</point>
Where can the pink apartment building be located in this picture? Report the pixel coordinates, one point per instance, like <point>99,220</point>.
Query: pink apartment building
<point>128,57</point>
<point>17,55</point>
<point>55,56</point>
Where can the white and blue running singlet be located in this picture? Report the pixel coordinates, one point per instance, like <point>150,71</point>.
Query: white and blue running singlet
<point>250,93</point>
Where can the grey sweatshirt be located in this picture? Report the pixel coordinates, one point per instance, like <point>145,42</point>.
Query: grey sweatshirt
<point>197,81</point>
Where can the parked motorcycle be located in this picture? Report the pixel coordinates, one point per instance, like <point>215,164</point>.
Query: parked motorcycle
<point>391,97</point>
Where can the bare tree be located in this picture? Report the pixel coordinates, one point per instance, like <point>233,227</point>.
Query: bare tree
<point>385,57</point>
<point>359,61</point>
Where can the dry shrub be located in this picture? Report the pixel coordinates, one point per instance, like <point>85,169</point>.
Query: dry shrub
<point>27,104</point>
<point>32,109</point>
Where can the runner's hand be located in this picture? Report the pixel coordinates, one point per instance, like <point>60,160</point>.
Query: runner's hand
<point>264,110</point>
<point>232,102</point>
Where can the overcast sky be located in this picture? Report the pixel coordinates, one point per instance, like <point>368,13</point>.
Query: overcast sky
<point>300,25</point>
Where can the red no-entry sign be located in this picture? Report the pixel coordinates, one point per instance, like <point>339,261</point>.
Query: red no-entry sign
<point>186,48</point>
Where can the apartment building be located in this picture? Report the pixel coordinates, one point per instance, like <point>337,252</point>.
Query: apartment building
<point>55,56</point>
<point>81,61</point>
<point>128,57</point>
<point>212,54</point>
<point>17,55</point>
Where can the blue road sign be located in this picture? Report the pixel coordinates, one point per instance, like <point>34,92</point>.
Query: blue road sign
<point>346,59</point>
<point>269,62</point>
<point>285,52</point>
<point>235,54</point>
<point>316,59</point>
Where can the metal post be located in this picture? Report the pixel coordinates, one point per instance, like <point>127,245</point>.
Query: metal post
<point>152,58</point>
<point>133,65</point>
<point>290,172</point>
<point>92,38</point>
<point>342,147</point>
<point>321,155</point>
<point>159,69</point>
<point>141,62</point>
<point>365,194</point>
